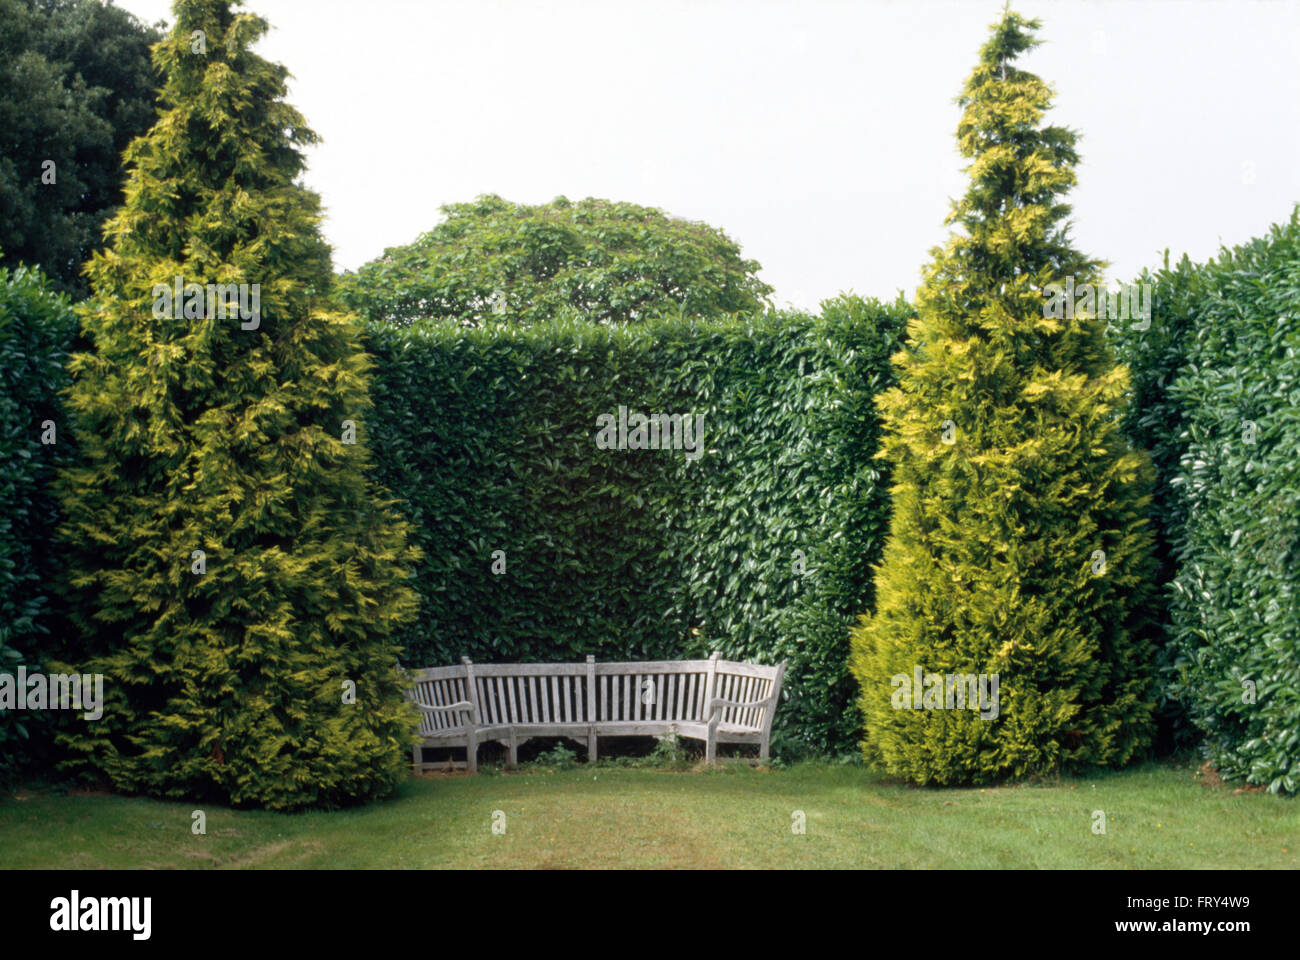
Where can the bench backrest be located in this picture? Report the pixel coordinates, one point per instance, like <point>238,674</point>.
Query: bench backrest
<point>440,687</point>
<point>562,693</point>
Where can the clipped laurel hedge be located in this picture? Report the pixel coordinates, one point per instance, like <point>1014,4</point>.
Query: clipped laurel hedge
<point>1155,421</point>
<point>37,328</point>
<point>1218,402</point>
<point>539,545</point>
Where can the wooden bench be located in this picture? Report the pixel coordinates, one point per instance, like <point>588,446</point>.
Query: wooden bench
<point>713,700</point>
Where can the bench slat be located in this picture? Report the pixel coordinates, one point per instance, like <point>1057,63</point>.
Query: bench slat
<point>503,698</point>
<point>602,669</point>
<point>440,698</point>
<point>444,697</point>
<point>652,667</point>
<point>529,669</point>
<point>760,670</point>
<point>437,673</point>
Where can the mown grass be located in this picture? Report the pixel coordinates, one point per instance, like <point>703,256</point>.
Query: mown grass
<point>1157,816</point>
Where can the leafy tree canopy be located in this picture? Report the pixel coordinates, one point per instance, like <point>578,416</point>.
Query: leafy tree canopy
<point>76,86</point>
<point>607,262</point>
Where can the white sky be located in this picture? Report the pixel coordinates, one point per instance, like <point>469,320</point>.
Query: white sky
<point>819,134</point>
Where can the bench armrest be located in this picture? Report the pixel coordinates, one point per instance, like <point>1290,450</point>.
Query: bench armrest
<point>463,705</point>
<point>717,704</point>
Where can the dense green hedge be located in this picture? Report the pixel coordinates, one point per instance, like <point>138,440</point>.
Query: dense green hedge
<point>36,331</point>
<point>489,438</point>
<point>1154,420</point>
<point>1217,379</point>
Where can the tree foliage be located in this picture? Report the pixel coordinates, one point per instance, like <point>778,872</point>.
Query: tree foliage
<point>76,86</point>
<point>495,261</point>
<point>228,670</point>
<point>1018,546</point>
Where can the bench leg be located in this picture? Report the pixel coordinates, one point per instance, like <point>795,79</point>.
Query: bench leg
<point>514,749</point>
<point>471,751</point>
<point>763,749</point>
<point>710,749</point>
<point>591,745</point>
<point>416,758</point>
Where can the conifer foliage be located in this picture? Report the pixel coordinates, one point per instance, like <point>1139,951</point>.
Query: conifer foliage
<point>1017,547</point>
<point>238,577</point>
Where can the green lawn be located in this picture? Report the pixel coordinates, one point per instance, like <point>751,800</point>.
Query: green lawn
<point>1159,815</point>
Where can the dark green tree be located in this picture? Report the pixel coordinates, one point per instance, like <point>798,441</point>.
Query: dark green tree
<point>1018,546</point>
<point>607,262</point>
<point>239,578</point>
<point>76,86</point>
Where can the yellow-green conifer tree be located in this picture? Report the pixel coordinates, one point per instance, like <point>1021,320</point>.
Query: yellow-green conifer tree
<point>238,577</point>
<point>1017,547</point>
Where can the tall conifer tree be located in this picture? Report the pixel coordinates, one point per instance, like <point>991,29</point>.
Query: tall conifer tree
<point>1017,546</point>
<point>239,578</point>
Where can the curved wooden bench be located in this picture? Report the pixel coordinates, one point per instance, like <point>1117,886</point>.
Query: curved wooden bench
<point>717,701</point>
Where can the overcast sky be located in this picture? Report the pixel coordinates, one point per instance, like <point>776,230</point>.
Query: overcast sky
<point>819,134</point>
